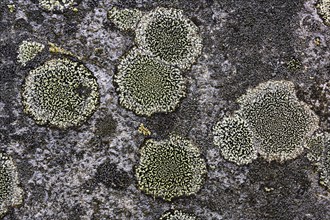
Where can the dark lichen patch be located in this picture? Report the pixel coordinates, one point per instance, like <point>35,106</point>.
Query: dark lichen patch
<point>317,96</point>
<point>35,16</point>
<point>186,116</point>
<point>23,25</point>
<point>257,38</point>
<point>92,4</point>
<point>260,22</point>
<point>110,176</point>
<point>71,28</point>
<point>76,212</point>
<point>161,124</point>
<point>105,126</point>
<point>7,51</point>
<point>278,191</point>
<point>126,3</point>
<point>180,121</point>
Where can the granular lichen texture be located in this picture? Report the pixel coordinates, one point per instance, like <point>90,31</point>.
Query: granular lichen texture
<point>28,50</point>
<point>125,19</point>
<point>321,154</point>
<point>177,215</point>
<point>280,122</point>
<point>60,93</point>
<point>170,36</point>
<point>170,168</point>
<point>56,5</point>
<point>146,85</point>
<point>315,145</point>
<point>10,193</point>
<point>323,7</point>
<point>235,139</point>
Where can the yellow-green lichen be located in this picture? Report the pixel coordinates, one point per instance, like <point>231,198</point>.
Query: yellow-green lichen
<point>177,215</point>
<point>28,50</point>
<point>146,85</point>
<point>323,8</point>
<point>10,193</point>
<point>170,36</point>
<point>235,139</point>
<point>57,5</point>
<point>124,19</point>
<point>279,121</point>
<point>60,93</point>
<point>170,168</point>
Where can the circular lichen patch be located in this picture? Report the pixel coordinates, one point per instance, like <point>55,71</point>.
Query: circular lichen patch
<point>147,86</point>
<point>60,93</point>
<point>170,168</point>
<point>170,36</point>
<point>279,121</point>
<point>235,139</point>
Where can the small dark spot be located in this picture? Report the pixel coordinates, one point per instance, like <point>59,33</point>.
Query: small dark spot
<point>76,212</point>
<point>35,16</point>
<point>22,24</point>
<point>83,91</point>
<point>105,126</point>
<point>109,175</point>
<point>92,4</point>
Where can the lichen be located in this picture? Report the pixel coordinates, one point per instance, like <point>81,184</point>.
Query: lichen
<point>323,7</point>
<point>28,50</point>
<point>146,85</point>
<point>170,168</point>
<point>143,130</point>
<point>112,177</point>
<point>177,215</point>
<point>10,192</point>
<point>57,5</point>
<point>124,19</point>
<point>324,165</point>
<point>60,93</point>
<point>280,122</point>
<point>235,139</point>
<point>170,36</point>
<point>315,145</point>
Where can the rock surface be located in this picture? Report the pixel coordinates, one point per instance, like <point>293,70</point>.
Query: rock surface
<point>246,42</point>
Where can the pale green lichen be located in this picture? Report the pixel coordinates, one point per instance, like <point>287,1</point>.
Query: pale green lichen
<point>60,93</point>
<point>315,145</point>
<point>10,192</point>
<point>235,139</point>
<point>124,19</point>
<point>323,7</point>
<point>177,215</point>
<point>170,36</point>
<point>146,85</point>
<point>56,5</point>
<point>28,50</point>
<point>279,121</point>
<point>324,164</point>
<point>170,168</point>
